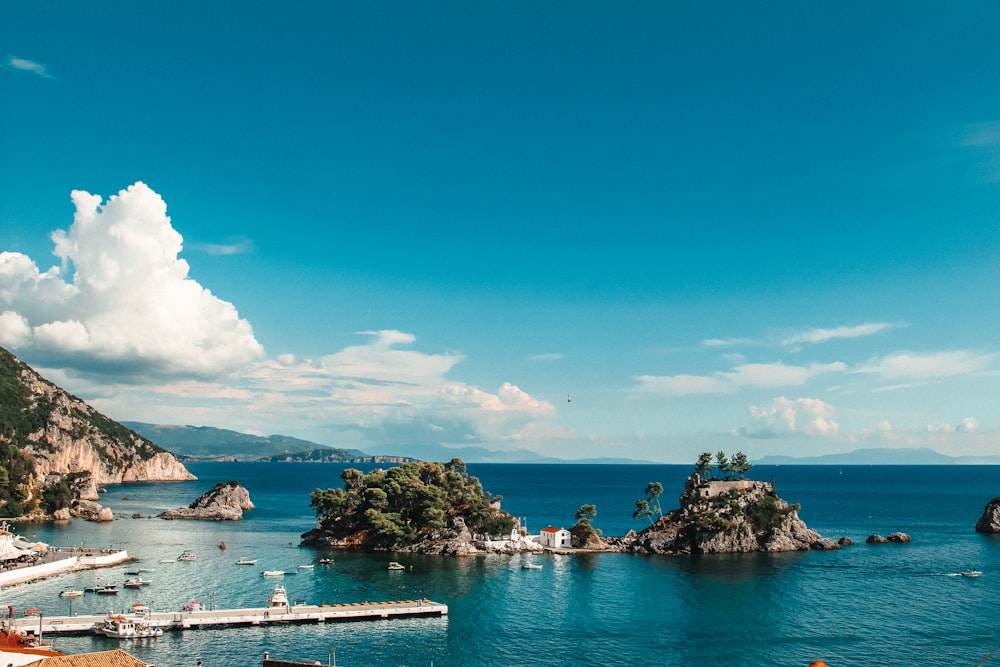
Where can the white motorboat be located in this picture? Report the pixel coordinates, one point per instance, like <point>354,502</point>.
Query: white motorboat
<point>194,605</point>
<point>306,567</point>
<point>395,566</point>
<point>272,573</point>
<point>531,566</point>
<point>121,627</point>
<point>972,574</point>
<point>247,561</point>
<point>278,597</point>
<point>187,555</point>
<point>70,594</point>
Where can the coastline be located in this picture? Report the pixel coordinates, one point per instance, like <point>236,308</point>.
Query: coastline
<point>62,561</point>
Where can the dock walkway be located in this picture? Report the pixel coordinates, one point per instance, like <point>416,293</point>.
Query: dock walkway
<point>191,620</point>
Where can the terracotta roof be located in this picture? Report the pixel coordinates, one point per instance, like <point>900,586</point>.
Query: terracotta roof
<point>115,658</point>
<point>550,529</point>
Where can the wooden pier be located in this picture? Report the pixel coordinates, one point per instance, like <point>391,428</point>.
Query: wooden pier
<point>224,618</point>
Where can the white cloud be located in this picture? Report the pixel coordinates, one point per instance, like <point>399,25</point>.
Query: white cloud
<point>548,356</point>
<point>239,246</point>
<point>744,375</point>
<point>122,301</point>
<point>819,335</point>
<point>784,417</point>
<point>947,363</point>
<point>23,65</point>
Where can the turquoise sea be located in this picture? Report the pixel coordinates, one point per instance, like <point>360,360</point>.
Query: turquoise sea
<point>863,605</point>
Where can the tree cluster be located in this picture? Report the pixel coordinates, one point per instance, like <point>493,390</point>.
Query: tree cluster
<point>394,507</point>
<point>739,465</point>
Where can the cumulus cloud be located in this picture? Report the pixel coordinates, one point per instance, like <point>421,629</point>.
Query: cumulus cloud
<point>29,66</point>
<point>783,417</point>
<point>122,301</point>
<point>743,375</point>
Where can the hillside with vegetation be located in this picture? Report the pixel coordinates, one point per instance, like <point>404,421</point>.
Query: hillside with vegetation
<point>55,449</point>
<point>405,505</point>
<point>207,443</point>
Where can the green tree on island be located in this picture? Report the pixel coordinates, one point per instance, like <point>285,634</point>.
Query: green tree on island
<point>740,464</point>
<point>395,507</point>
<point>722,463</point>
<point>583,531</point>
<point>703,468</point>
<point>644,507</point>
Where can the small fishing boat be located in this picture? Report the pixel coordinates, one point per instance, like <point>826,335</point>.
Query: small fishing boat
<point>531,566</point>
<point>134,582</point>
<point>246,561</point>
<point>395,566</point>
<point>187,554</point>
<point>120,627</point>
<point>326,561</point>
<point>108,589</point>
<point>70,594</point>
<point>272,573</point>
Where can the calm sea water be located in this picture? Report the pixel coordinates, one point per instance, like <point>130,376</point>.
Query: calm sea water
<point>862,605</point>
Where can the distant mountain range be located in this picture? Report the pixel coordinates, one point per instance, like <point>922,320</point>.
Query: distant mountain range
<point>219,444</point>
<point>207,443</point>
<point>882,456</point>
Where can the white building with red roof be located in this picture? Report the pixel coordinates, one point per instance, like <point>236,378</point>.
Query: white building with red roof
<point>555,538</point>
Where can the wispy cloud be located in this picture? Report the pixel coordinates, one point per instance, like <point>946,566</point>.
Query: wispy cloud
<point>29,66</point>
<point>946,363</point>
<point>823,335</point>
<point>547,356</point>
<point>240,246</point>
<point>744,375</point>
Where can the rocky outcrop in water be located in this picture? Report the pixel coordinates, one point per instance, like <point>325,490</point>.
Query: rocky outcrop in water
<point>893,538</point>
<point>224,502</point>
<point>989,522</point>
<point>725,516</point>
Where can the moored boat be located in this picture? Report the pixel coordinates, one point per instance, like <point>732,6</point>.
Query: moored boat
<point>278,597</point>
<point>194,605</point>
<point>247,561</point>
<point>272,573</point>
<point>109,589</point>
<point>121,627</point>
<point>187,554</point>
<point>70,594</point>
<point>395,566</point>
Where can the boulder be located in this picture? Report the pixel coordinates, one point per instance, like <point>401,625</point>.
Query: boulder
<point>845,542</point>
<point>90,511</point>
<point>224,502</point>
<point>898,538</point>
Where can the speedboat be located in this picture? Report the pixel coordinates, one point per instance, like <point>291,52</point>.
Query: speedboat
<point>306,567</point>
<point>325,561</point>
<point>187,555</point>
<point>531,566</point>
<point>70,594</point>
<point>272,573</point>
<point>134,582</point>
<point>121,627</point>
<point>246,561</point>
<point>972,574</point>
<point>108,589</point>
<point>395,566</point>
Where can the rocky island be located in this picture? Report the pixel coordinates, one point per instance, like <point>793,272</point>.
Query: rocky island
<point>439,509</point>
<point>223,502</point>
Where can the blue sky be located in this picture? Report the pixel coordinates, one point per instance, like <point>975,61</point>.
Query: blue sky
<point>713,225</point>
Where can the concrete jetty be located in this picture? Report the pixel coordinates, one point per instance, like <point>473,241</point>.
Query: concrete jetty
<point>248,617</point>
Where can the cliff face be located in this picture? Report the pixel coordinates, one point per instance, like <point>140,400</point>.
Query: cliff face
<point>61,434</point>
<point>725,517</point>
